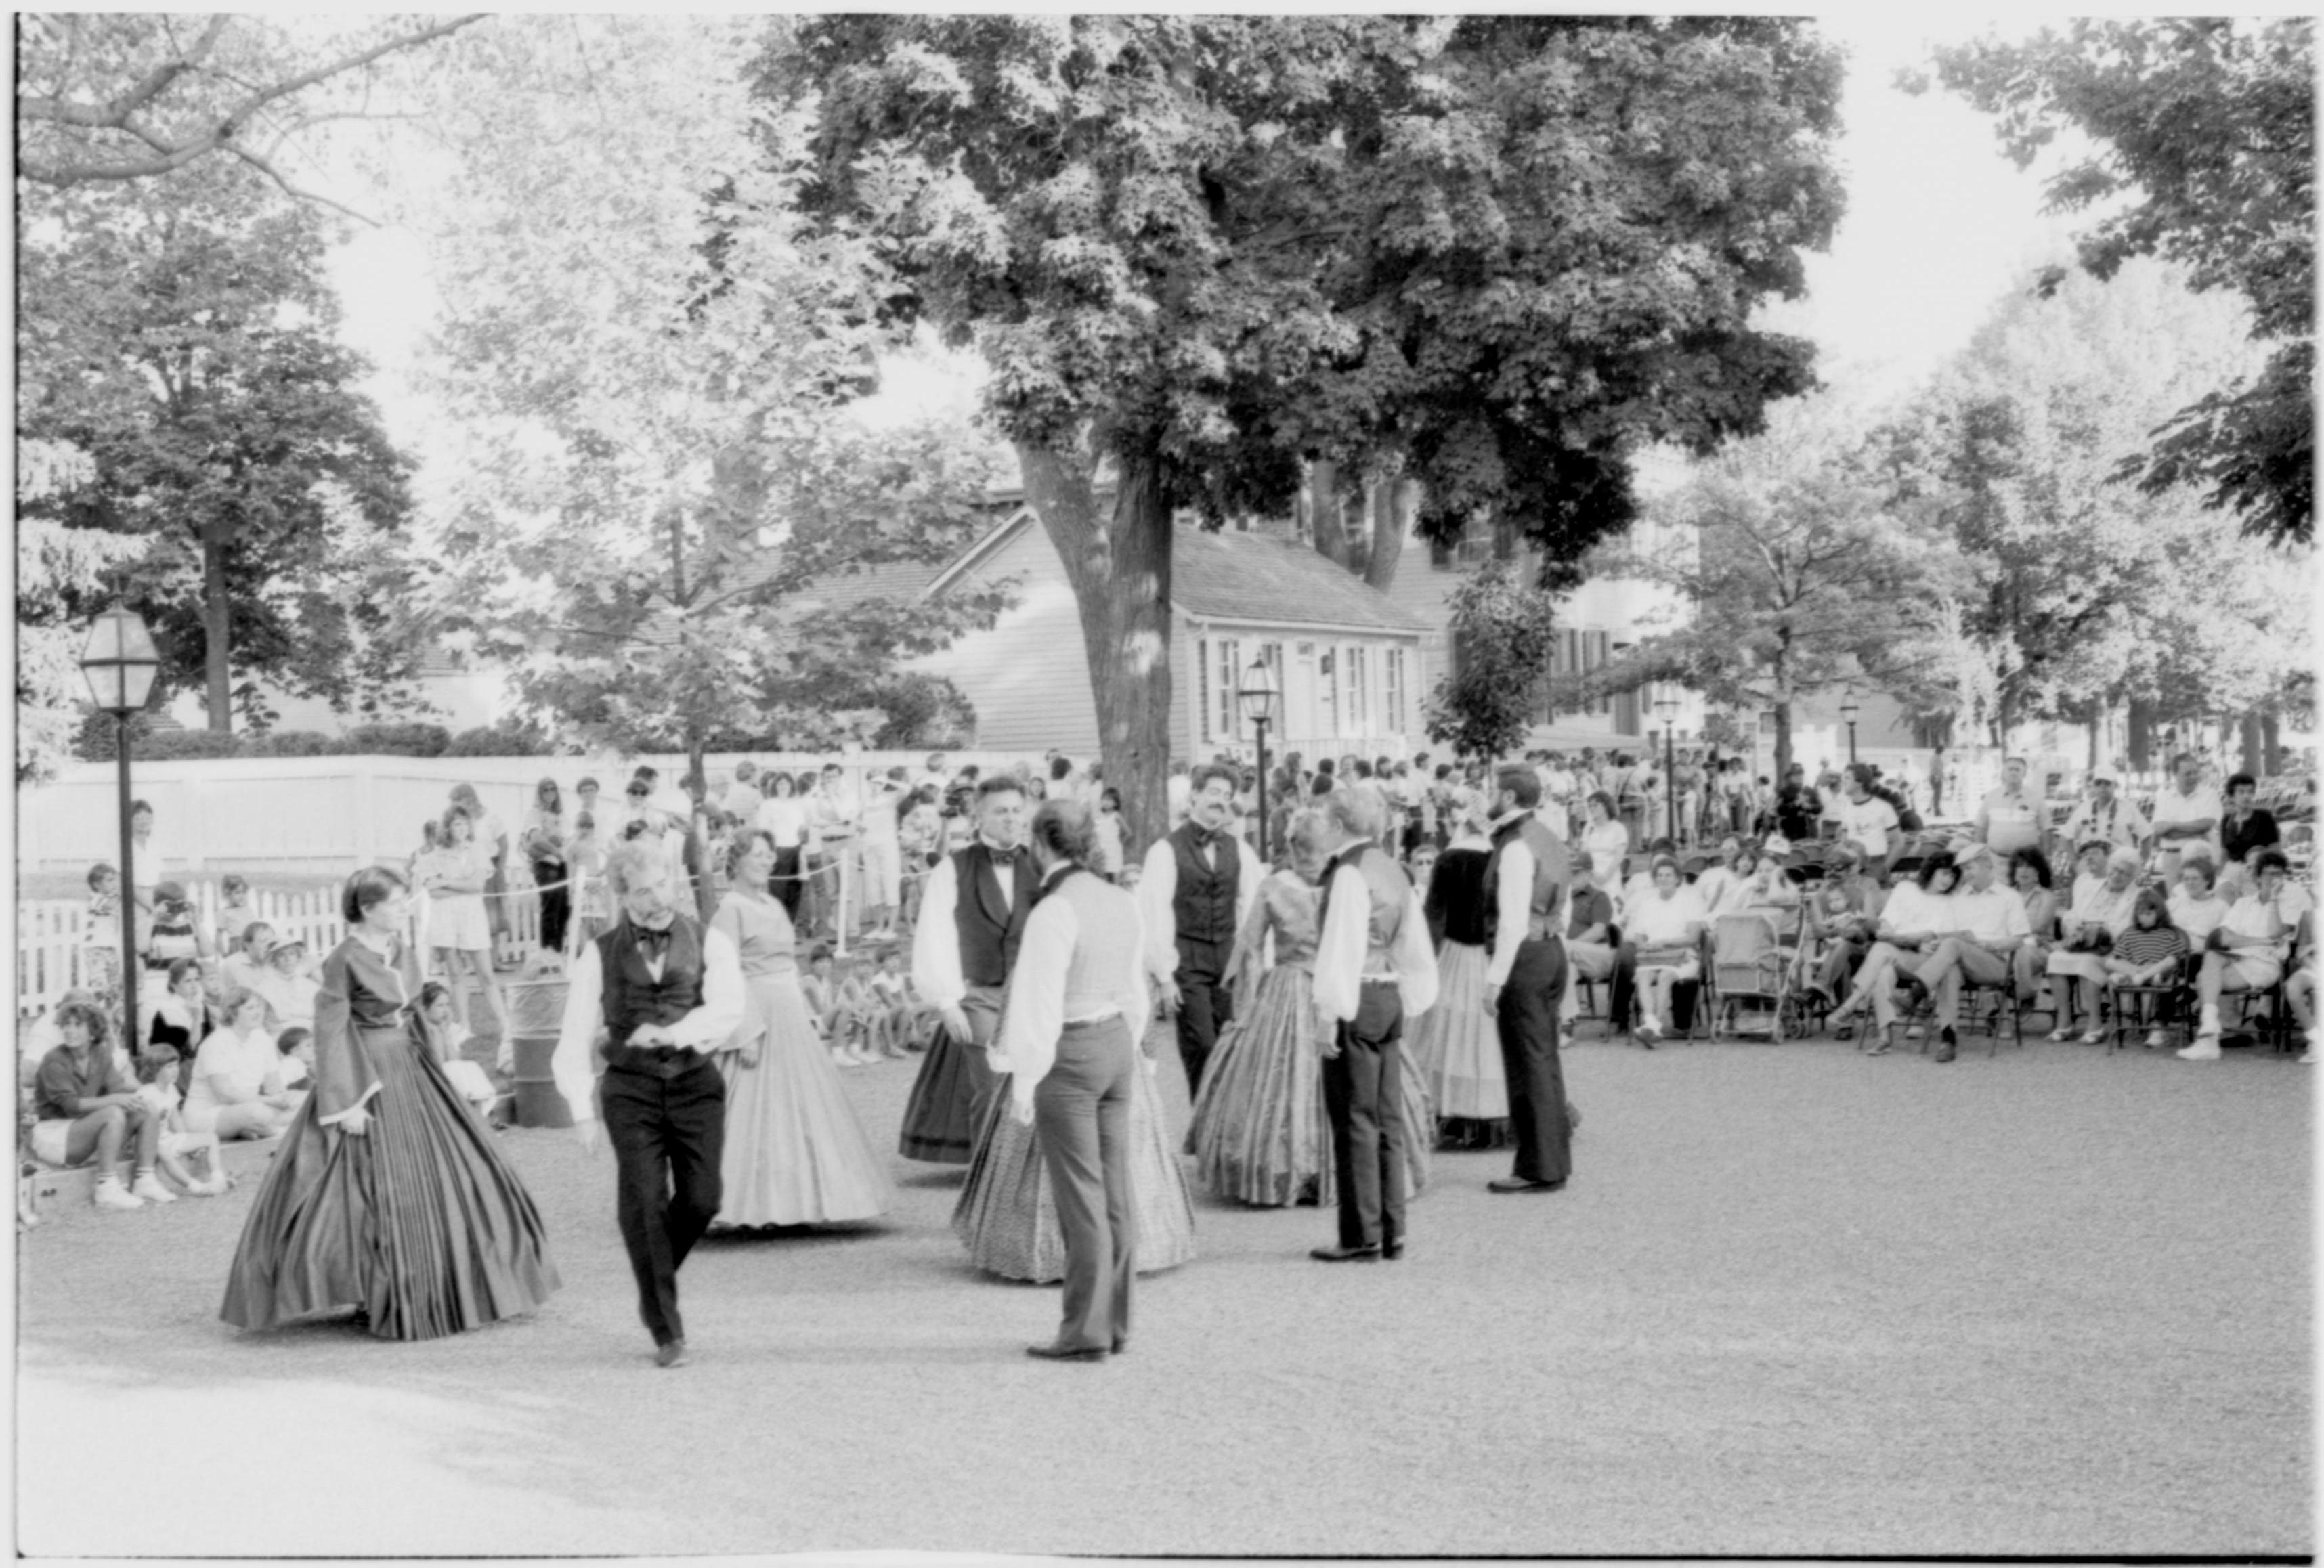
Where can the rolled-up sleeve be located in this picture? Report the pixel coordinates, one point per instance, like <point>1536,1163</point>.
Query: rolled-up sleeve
<point>1415,959</point>
<point>1340,949</point>
<point>721,1012</point>
<point>1158,887</point>
<point>573,1066</point>
<point>1036,1014</point>
<point>1512,901</point>
<point>936,939</point>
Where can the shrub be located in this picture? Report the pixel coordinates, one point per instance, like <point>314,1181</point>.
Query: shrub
<point>291,744</point>
<point>174,745</point>
<point>412,740</point>
<point>503,740</point>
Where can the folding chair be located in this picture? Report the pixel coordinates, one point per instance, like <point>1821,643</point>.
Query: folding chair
<point>2171,997</point>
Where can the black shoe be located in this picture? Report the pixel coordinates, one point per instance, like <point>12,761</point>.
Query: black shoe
<point>1053,1352</point>
<point>1945,1044</point>
<point>1346,1254</point>
<point>1392,1251</point>
<point>670,1353</point>
<point>1519,1184</point>
<point>1120,1347</point>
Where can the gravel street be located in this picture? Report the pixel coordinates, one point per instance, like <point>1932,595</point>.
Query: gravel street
<point>1795,1301</point>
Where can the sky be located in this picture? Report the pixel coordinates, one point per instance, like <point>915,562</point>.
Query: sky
<point>1939,226</point>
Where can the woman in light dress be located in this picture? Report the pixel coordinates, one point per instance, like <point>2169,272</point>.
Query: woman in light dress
<point>795,1153</point>
<point>1259,1133</point>
<point>453,876</point>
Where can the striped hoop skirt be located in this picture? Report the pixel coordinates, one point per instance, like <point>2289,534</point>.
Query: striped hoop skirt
<point>1007,1216</point>
<point>418,1222</point>
<point>1261,1134</point>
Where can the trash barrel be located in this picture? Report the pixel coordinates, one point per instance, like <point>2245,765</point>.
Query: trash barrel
<point>536,1010</point>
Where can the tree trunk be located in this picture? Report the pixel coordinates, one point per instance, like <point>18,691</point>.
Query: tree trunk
<point>1326,512</point>
<point>216,630</point>
<point>1391,521</point>
<point>1120,569</point>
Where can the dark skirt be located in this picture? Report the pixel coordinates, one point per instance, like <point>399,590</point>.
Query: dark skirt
<point>940,1117</point>
<point>419,1222</point>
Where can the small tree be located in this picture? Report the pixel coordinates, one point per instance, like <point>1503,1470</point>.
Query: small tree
<point>1503,634</point>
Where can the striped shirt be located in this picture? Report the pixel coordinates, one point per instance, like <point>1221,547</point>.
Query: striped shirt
<point>2140,946</point>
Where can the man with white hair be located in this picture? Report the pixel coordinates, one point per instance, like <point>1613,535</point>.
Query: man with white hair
<point>666,990</point>
<point>1374,969</point>
<point>1988,927</point>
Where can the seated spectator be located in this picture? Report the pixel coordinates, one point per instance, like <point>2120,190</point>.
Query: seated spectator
<point>289,993</point>
<point>156,1074</point>
<point>2245,829</point>
<point>295,1048</point>
<point>2148,954</point>
<point>101,936</point>
<point>237,1089</point>
<point>1665,927</point>
<point>1711,884</point>
<point>2100,912</point>
<point>2246,952</point>
<point>468,1078</point>
<point>1641,886</point>
<point>47,1031</point>
<point>854,1001</point>
<point>1988,928</point>
<point>2300,990</point>
<point>829,1022</point>
<point>176,1020</point>
<point>1844,921</point>
<point>1917,916</point>
<point>895,1019</point>
<point>2196,907</point>
<point>170,935</point>
<point>2030,875</point>
<point>1590,949</point>
<point>1864,817</point>
<point>246,961</point>
<point>84,1107</point>
<point>1755,883</point>
<point>233,913</point>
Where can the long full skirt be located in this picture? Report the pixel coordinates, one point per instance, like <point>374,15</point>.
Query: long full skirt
<point>795,1152</point>
<point>1261,1134</point>
<point>418,1222</point>
<point>1008,1216</point>
<point>1458,1048</point>
<point>939,1126</point>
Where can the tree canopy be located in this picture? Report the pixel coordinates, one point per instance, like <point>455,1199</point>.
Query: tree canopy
<point>2205,133</point>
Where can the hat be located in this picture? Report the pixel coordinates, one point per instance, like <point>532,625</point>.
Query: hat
<point>2101,777</point>
<point>2103,845</point>
<point>286,945</point>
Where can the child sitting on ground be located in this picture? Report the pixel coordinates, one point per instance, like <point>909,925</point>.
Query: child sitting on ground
<point>856,1000</point>
<point>895,1015</point>
<point>830,1021</point>
<point>233,913</point>
<point>156,1071</point>
<point>468,1080</point>
<point>295,1046</point>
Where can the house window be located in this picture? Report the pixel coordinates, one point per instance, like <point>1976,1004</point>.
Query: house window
<point>1395,690</point>
<point>1327,690</point>
<point>1358,720</point>
<point>1229,679</point>
<point>1203,684</point>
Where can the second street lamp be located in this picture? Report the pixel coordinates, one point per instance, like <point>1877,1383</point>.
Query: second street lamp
<point>1848,710</point>
<point>119,663</point>
<point>1256,695</point>
<point>1666,710</point>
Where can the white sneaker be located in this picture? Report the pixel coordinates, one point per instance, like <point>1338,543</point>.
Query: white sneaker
<point>2205,1048</point>
<point>148,1187</point>
<point>2156,1039</point>
<point>215,1187</point>
<point>112,1194</point>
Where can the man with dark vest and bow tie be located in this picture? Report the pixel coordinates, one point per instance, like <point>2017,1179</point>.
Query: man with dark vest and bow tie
<point>1197,886</point>
<point>973,913</point>
<point>1525,980</point>
<point>666,991</point>
<point>1375,970</point>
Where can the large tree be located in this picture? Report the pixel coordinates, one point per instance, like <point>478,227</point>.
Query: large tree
<point>1491,254</point>
<point>658,491</point>
<point>1793,573</point>
<point>184,338</point>
<point>2204,133</point>
<point>56,567</point>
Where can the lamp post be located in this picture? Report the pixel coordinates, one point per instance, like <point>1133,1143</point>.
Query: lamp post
<point>119,663</point>
<point>1256,695</point>
<point>1666,710</point>
<point>1848,710</point>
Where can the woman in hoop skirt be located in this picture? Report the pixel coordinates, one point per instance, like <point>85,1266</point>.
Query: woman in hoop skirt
<point>1454,1045</point>
<point>387,1194</point>
<point>1259,1133</point>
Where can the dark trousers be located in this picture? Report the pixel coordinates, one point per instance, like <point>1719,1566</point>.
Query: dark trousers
<point>668,1135</point>
<point>1204,1006</point>
<point>784,882</point>
<point>1081,1114</point>
<point>1363,1088</point>
<point>1528,1020</point>
<point>555,903</point>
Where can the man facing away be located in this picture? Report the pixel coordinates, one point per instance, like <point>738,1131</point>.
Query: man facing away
<point>667,991</point>
<point>1525,980</point>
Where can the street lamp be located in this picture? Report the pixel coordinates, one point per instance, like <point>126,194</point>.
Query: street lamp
<point>119,663</point>
<point>1256,695</point>
<point>1848,710</point>
<point>1666,710</point>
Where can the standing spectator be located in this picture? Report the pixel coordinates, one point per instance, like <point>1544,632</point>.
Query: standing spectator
<point>85,1105</point>
<point>782,817</point>
<point>101,936</point>
<point>742,796</point>
<point>1606,842</point>
<point>544,836</point>
<point>918,835</point>
<point>836,816</point>
<point>2243,829</point>
<point>934,779</point>
<point>2107,818</point>
<point>1179,791</point>
<point>2186,815</point>
<point>453,877</point>
<point>883,863</point>
<point>1865,817</point>
<point>1112,835</point>
<point>584,800</point>
<point>148,859</point>
<point>493,840</point>
<point>2009,818</point>
<point>1938,772</point>
<point>237,1089</point>
<point>1797,807</point>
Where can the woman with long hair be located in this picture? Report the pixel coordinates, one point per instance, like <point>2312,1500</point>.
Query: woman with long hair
<point>544,840</point>
<point>795,1153</point>
<point>388,1195</point>
<point>1008,1214</point>
<point>454,875</point>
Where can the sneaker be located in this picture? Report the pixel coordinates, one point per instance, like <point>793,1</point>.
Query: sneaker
<point>112,1194</point>
<point>148,1187</point>
<point>2205,1048</point>
<point>2156,1039</point>
<point>215,1187</point>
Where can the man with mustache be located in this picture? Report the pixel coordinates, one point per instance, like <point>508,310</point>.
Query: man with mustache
<point>1196,887</point>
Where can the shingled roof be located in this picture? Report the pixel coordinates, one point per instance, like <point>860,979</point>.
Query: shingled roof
<point>1270,577</point>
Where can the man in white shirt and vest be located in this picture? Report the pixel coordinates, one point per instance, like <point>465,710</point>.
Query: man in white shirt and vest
<point>1077,1005</point>
<point>667,991</point>
<point>1988,927</point>
<point>1525,980</point>
<point>972,915</point>
<point>1197,886</point>
<point>1374,969</point>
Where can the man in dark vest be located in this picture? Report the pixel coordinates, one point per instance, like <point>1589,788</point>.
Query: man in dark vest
<point>1196,887</point>
<point>1374,969</point>
<point>1525,981</point>
<point>665,993</point>
<point>973,914</point>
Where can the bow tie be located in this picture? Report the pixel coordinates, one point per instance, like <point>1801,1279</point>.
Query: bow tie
<point>1208,839</point>
<point>652,942</point>
<point>1003,857</point>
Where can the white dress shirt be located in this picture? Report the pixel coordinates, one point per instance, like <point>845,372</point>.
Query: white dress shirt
<point>574,1067</point>
<point>784,816</point>
<point>936,939</point>
<point>1157,888</point>
<point>1027,1048</point>
<point>1346,940</point>
<point>1512,903</point>
<point>1912,910</point>
<point>1992,918</point>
